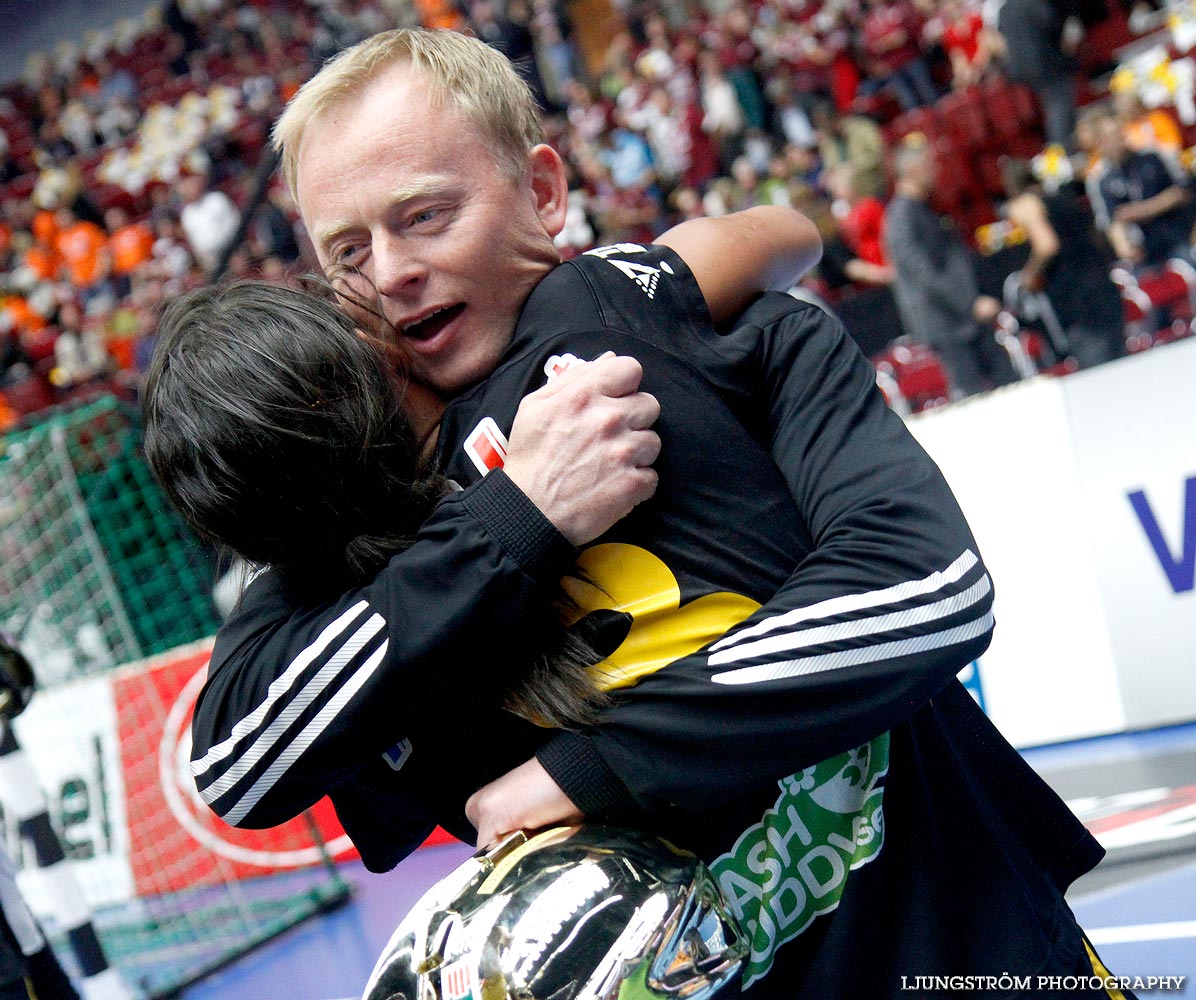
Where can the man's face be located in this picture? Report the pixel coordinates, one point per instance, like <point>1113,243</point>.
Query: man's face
<point>1111,140</point>
<point>413,197</point>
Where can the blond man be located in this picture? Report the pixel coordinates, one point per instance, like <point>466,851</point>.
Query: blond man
<point>777,751</point>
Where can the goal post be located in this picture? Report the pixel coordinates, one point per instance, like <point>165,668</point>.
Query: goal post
<point>109,597</point>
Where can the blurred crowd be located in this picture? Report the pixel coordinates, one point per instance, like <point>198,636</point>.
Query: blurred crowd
<point>994,198</point>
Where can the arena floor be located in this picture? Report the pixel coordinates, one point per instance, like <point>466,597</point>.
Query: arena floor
<point>1137,792</point>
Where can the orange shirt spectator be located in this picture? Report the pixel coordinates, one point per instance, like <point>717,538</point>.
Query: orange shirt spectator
<point>440,14</point>
<point>1155,131</point>
<point>43,261</point>
<point>84,250</point>
<point>23,317</point>
<point>45,228</point>
<point>131,246</point>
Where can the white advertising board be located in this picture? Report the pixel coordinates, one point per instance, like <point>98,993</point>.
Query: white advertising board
<point>1134,430</point>
<point>1049,674</point>
<point>70,737</point>
<point>1082,495</point>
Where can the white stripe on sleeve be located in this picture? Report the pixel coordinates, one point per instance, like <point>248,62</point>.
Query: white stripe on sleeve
<point>857,602</point>
<point>279,687</point>
<point>314,688</point>
<point>854,657</point>
<point>856,628</point>
<point>310,732</point>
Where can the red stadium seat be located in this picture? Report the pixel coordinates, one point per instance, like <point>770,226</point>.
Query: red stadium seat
<point>1013,113</point>
<point>921,382</point>
<point>1172,288</point>
<point>22,187</point>
<point>961,114</point>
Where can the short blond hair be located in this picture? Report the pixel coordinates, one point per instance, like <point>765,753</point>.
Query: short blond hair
<point>462,73</point>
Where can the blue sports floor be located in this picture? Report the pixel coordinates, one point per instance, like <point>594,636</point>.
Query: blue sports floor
<point>1137,792</point>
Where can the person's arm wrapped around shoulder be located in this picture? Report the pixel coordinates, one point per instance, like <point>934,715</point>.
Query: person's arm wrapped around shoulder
<point>892,602</point>
<point>301,694</point>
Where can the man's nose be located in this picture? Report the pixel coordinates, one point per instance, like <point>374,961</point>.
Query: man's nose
<point>397,271</point>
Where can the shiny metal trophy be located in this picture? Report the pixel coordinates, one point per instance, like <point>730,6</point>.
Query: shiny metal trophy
<point>571,913</point>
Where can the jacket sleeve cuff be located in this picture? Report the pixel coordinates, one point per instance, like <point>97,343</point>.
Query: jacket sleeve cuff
<point>519,526</point>
<point>573,763</point>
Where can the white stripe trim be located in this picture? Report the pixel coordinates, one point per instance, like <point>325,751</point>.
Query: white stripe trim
<point>853,657</point>
<point>315,687</point>
<point>310,732</point>
<point>857,602</point>
<point>278,688</point>
<point>875,625</point>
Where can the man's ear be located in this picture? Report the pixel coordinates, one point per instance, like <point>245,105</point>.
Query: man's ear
<point>550,189</point>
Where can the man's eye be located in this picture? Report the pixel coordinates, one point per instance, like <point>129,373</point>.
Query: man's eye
<point>346,253</point>
<point>427,215</point>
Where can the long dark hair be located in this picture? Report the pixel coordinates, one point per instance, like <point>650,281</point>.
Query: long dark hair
<point>275,427</point>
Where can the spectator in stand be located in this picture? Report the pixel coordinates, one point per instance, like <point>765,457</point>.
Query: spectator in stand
<point>621,214</point>
<point>78,126</point>
<point>664,127</point>
<point>273,231</point>
<point>1153,130</point>
<point>588,115</point>
<point>791,121</point>
<point>8,164</point>
<point>560,57</point>
<point>131,245</point>
<point>440,14</point>
<point>627,155</point>
<point>703,154</point>
<point>115,84</point>
<point>723,117</point>
<point>935,281</point>
<point>775,188</point>
<point>738,53</point>
<point>959,27</point>
<point>117,120</point>
<point>86,257</point>
<point>39,262</point>
<point>209,219</point>
<point>860,220</point>
<point>53,144</point>
<point>853,139</point>
<point>1068,266</point>
<point>1032,45</point>
<point>665,60</point>
<point>745,184</point>
<point>511,34</point>
<point>173,260</point>
<point>891,53</point>
<point>1144,211</point>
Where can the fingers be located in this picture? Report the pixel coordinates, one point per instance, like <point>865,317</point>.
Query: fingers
<point>644,448</point>
<point>580,448</point>
<point>642,410</point>
<point>610,375</point>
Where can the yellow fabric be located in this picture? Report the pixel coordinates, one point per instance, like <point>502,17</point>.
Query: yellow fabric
<point>1099,968</point>
<point>630,579</point>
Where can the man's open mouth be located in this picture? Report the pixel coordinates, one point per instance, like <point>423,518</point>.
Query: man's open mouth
<point>429,326</point>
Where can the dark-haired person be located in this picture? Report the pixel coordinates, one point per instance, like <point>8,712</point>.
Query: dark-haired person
<point>1069,265</point>
<point>833,704</point>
